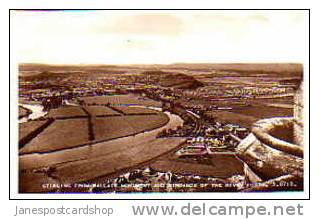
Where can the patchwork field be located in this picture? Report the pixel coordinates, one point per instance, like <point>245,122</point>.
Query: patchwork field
<point>246,116</point>
<point>101,111</point>
<point>220,165</point>
<point>140,122</point>
<point>60,134</point>
<point>27,128</point>
<point>114,127</point>
<point>135,110</point>
<point>262,112</point>
<point>77,128</point>
<point>66,112</point>
<point>129,99</point>
<point>233,118</point>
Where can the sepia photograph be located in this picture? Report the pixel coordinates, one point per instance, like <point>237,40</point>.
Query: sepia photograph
<point>159,101</point>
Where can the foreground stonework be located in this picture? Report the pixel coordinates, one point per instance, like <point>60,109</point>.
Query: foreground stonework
<point>271,155</point>
<point>298,115</point>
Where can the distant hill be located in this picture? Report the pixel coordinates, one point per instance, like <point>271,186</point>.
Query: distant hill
<point>280,69</point>
<point>26,69</point>
<point>244,69</point>
<point>47,67</point>
<point>175,80</point>
<point>44,76</point>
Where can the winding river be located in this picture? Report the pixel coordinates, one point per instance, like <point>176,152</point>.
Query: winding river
<point>37,112</point>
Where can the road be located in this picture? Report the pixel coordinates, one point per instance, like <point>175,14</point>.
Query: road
<point>197,121</point>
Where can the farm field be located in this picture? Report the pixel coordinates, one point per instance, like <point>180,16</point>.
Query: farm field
<point>220,166</point>
<point>139,121</point>
<point>233,118</point>
<point>135,110</point>
<point>114,127</point>
<point>262,112</point>
<point>29,127</point>
<point>247,115</point>
<point>284,100</point>
<point>101,111</point>
<point>129,99</point>
<point>71,131</point>
<point>66,112</point>
<point>59,135</point>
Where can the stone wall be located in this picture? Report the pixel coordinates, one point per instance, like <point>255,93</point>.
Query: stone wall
<point>271,158</point>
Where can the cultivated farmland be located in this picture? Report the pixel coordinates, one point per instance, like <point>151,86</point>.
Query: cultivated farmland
<point>69,127</point>
<point>135,110</point>
<point>114,127</point>
<point>101,111</point>
<point>29,127</point>
<point>60,134</point>
<point>66,112</point>
<point>129,99</point>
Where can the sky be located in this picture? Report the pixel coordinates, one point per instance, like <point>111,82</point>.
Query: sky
<point>158,37</point>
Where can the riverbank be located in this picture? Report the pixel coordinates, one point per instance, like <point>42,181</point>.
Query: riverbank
<point>36,111</point>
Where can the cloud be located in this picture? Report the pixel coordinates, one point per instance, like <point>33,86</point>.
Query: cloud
<point>228,22</point>
<point>145,24</point>
<point>159,37</point>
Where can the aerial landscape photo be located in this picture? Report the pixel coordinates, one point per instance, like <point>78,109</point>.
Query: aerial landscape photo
<point>163,101</point>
